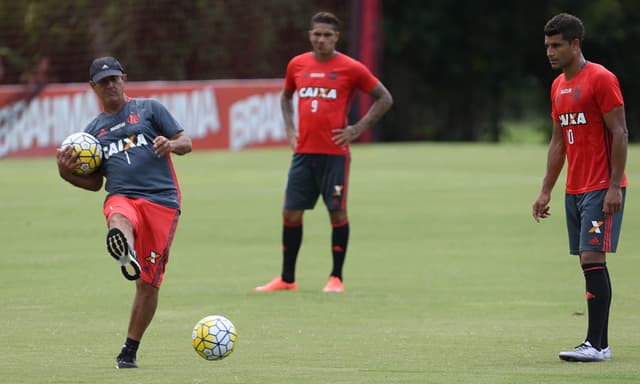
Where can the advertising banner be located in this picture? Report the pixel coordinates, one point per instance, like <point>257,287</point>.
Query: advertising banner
<point>217,114</point>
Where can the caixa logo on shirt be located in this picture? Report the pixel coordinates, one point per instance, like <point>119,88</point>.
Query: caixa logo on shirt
<point>572,118</point>
<point>123,145</point>
<point>322,93</point>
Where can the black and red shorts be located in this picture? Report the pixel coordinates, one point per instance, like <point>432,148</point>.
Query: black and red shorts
<point>312,175</point>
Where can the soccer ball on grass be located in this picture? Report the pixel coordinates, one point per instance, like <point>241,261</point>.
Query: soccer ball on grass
<point>214,337</point>
<point>88,150</point>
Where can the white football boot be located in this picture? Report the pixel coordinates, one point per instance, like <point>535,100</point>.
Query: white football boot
<point>584,352</point>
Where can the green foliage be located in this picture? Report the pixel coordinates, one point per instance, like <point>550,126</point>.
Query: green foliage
<point>459,69</point>
<point>470,59</point>
<point>157,39</point>
<point>448,278</point>
<point>44,32</point>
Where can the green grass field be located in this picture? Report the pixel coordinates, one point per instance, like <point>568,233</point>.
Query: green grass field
<point>448,278</point>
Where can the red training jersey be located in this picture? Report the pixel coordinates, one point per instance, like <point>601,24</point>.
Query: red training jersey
<point>325,92</point>
<point>579,105</point>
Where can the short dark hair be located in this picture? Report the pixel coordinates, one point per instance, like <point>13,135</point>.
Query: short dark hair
<point>569,26</point>
<point>326,18</point>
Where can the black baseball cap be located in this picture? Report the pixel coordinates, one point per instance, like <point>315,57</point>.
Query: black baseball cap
<point>104,67</point>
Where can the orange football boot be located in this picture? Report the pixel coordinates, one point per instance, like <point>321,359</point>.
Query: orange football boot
<point>333,285</point>
<point>277,284</point>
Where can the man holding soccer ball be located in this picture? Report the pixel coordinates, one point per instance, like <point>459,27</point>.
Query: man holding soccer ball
<point>142,205</point>
<point>325,82</point>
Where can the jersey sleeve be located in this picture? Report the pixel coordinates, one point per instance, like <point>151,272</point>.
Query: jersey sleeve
<point>607,91</point>
<point>554,87</point>
<point>164,121</point>
<point>91,128</point>
<point>289,79</point>
<point>364,79</point>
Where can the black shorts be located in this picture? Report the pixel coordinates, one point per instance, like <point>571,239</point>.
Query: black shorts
<point>588,228</point>
<point>311,175</point>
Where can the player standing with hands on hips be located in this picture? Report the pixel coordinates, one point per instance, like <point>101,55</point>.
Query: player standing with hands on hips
<point>589,129</point>
<point>142,205</point>
<point>325,81</point>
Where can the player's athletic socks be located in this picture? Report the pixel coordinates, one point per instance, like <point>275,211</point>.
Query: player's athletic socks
<point>291,240</point>
<point>127,356</point>
<point>339,242</point>
<point>605,331</point>
<point>598,295</point>
<point>131,345</point>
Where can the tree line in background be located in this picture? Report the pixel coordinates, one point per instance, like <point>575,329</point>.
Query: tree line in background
<point>468,66</point>
<point>458,70</point>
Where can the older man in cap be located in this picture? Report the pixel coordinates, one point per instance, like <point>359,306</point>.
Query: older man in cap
<point>142,205</point>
